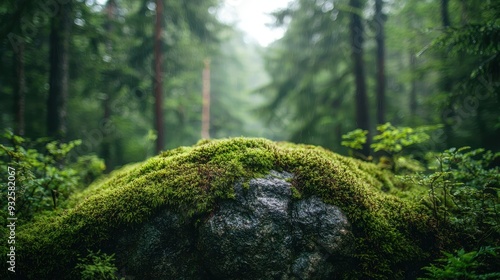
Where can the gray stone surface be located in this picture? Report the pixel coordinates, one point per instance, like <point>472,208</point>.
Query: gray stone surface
<point>163,248</point>
<point>262,234</point>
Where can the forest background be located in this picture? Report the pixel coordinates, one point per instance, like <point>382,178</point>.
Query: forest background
<point>89,87</point>
<point>82,70</point>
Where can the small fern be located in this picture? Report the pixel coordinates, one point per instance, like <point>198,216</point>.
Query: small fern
<point>97,266</point>
<point>481,264</point>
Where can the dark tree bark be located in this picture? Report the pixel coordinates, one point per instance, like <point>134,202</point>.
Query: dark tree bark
<point>158,79</point>
<point>445,16</point>
<point>59,73</point>
<point>446,84</point>
<point>106,141</point>
<point>20,93</point>
<point>413,85</point>
<point>362,115</point>
<point>111,9</point>
<point>380,39</point>
<point>205,118</point>
<point>335,105</point>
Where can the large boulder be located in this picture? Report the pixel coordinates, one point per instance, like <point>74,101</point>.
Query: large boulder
<point>264,233</point>
<point>237,209</point>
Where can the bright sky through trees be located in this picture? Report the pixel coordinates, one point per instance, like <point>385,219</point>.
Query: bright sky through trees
<point>253,17</point>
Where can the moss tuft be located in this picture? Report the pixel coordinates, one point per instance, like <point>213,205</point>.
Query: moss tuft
<point>391,233</point>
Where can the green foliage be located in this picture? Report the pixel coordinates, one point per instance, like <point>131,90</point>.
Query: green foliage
<point>306,72</point>
<point>474,265</point>
<point>311,85</point>
<point>469,102</point>
<point>110,60</point>
<point>464,190</point>
<point>89,168</point>
<point>478,37</point>
<point>97,266</point>
<point>355,139</point>
<point>390,139</point>
<point>44,176</point>
<point>393,139</point>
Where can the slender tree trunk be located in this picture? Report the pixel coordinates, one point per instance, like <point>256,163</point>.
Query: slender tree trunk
<point>482,128</point>
<point>205,118</point>
<point>335,105</point>
<point>445,16</point>
<point>20,93</point>
<point>111,9</point>
<point>106,141</point>
<point>158,79</point>
<point>338,134</point>
<point>362,115</point>
<point>380,39</point>
<point>413,85</point>
<point>446,84</point>
<point>59,73</point>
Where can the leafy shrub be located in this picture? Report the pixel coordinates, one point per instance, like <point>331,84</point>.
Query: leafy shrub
<point>462,184</point>
<point>44,177</point>
<point>391,141</point>
<point>464,190</point>
<point>481,264</point>
<point>97,266</point>
<point>89,168</point>
<point>355,139</point>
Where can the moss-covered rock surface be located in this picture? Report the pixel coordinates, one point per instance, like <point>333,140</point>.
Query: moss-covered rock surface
<point>392,237</point>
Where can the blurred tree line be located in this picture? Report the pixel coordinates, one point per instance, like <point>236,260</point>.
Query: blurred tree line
<point>84,69</point>
<point>78,69</point>
<point>355,64</point>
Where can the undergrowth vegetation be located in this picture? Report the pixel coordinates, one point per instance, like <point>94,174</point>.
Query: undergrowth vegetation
<point>461,189</point>
<point>47,172</point>
<point>404,212</point>
<point>97,265</point>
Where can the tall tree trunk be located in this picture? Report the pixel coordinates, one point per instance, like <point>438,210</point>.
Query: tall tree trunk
<point>335,105</point>
<point>158,78</point>
<point>446,83</point>
<point>380,39</point>
<point>362,115</point>
<point>413,85</point>
<point>59,72</point>
<point>106,141</point>
<point>111,9</point>
<point>20,93</point>
<point>205,118</point>
<point>445,16</point>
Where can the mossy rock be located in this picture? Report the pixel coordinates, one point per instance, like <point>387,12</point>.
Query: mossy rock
<point>393,237</point>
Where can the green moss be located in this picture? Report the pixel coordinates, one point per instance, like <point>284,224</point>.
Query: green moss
<point>295,193</point>
<point>391,233</point>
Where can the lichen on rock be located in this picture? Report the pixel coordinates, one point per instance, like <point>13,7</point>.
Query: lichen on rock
<point>388,237</point>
